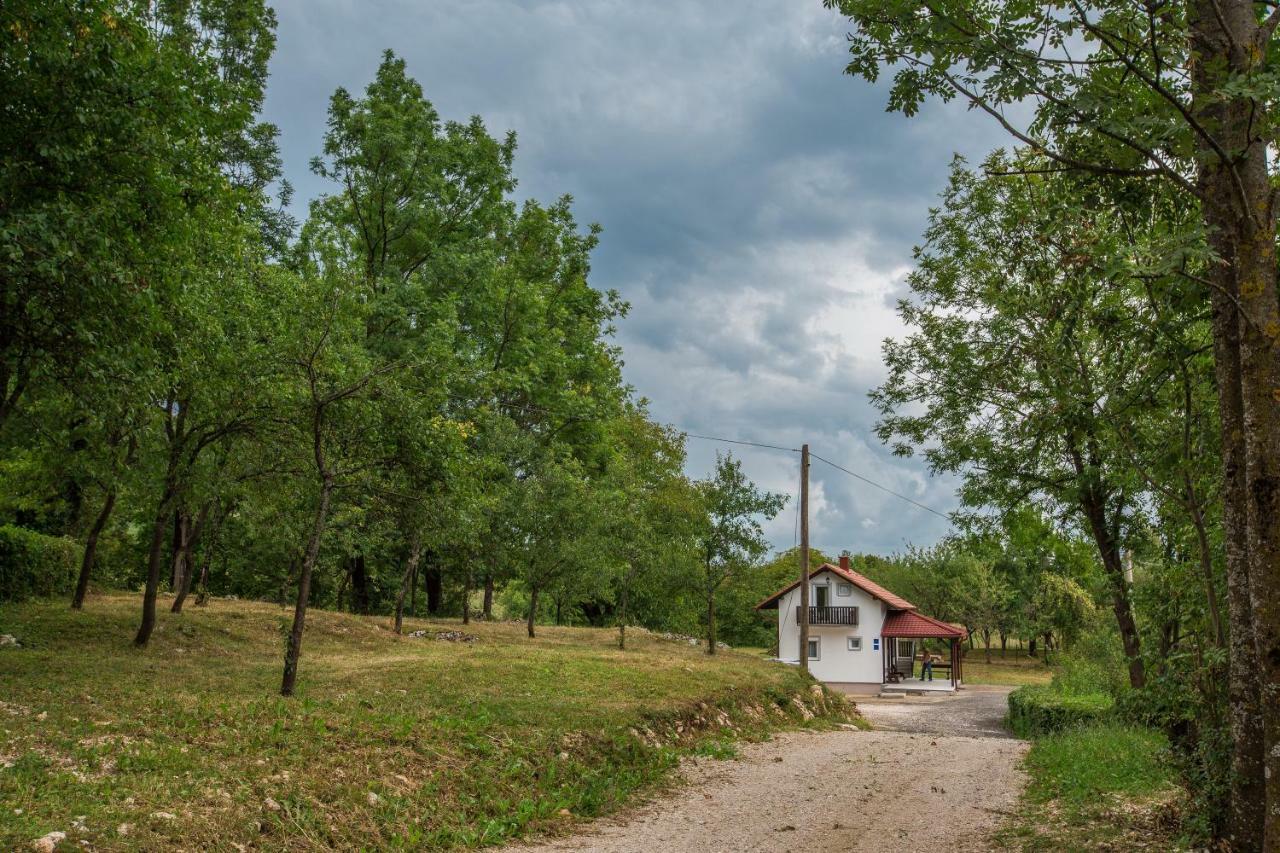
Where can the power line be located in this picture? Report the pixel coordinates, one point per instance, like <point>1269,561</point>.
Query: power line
<point>829,462</point>
<point>882,488</point>
<point>747,443</point>
<point>528,408</point>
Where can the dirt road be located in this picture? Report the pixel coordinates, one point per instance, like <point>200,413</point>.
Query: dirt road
<point>939,781</point>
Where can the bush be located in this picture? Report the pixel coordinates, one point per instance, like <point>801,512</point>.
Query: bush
<point>32,564</point>
<point>1037,709</point>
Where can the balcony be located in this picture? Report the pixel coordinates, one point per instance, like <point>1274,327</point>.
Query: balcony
<point>830,615</point>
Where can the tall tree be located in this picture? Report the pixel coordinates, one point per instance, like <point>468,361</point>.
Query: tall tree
<point>1187,93</point>
<point>1018,371</point>
<point>732,538</point>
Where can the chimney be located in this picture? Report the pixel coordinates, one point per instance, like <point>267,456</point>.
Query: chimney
<point>844,560</point>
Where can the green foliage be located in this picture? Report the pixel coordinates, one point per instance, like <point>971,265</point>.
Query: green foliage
<point>1038,709</point>
<point>740,624</point>
<point>33,564</point>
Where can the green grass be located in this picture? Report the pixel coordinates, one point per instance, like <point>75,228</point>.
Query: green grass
<point>391,742</point>
<point>1014,671</point>
<point>1100,787</point>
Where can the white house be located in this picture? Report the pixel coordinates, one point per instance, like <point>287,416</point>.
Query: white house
<point>861,635</point>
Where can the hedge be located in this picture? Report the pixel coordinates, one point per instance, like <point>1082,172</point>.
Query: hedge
<point>32,564</point>
<point>1038,709</point>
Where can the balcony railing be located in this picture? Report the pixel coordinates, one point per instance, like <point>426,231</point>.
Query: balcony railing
<point>830,615</point>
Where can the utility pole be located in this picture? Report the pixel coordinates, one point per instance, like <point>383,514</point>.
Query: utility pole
<point>804,557</point>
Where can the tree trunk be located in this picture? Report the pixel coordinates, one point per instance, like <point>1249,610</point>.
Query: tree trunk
<point>202,588</point>
<point>154,555</point>
<point>192,536</point>
<point>711,620</point>
<point>413,593</point>
<point>294,649</point>
<point>1248,785</point>
<point>1205,551</point>
<point>488,598</point>
<point>622,612</point>
<point>986,642</point>
<point>175,549</point>
<point>410,569</point>
<point>342,586</point>
<point>91,549</point>
<point>1004,644</point>
<point>1109,550</point>
<point>1031,648</point>
<point>466,594</point>
<point>359,585</point>
<point>533,609</point>
<point>1239,213</point>
<point>435,588</point>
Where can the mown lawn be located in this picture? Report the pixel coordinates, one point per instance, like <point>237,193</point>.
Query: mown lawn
<point>1014,670</point>
<point>1099,787</point>
<point>391,742</point>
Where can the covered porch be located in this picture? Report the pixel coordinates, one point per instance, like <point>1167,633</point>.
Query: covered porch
<point>907,635</point>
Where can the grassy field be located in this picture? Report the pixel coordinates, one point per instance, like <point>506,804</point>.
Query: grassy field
<point>1103,787</point>
<point>1014,671</point>
<point>391,742</point>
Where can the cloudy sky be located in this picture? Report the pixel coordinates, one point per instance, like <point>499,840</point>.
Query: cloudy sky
<point>759,207</point>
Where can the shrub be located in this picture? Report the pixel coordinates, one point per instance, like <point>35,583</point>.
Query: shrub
<point>32,564</point>
<point>1037,709</point>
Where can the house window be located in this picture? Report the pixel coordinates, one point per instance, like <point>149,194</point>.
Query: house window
<point>855,644</point>
<point>815,648</point>
<point>844,590</point>
<point>906,648</point>
<point>875,644</point>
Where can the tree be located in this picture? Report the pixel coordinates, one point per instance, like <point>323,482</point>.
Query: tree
<point>1018,373</point>
<point>330,375</point>
<point>1060,608</point>
<point>553,524</point>
<point>1185,93</point>
<point>650,510</point>
<point>732,537</point>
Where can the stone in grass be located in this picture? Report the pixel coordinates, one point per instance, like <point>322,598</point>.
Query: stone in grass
<point>448,636</point>
<point>9,640</point>
<point>48,843</point>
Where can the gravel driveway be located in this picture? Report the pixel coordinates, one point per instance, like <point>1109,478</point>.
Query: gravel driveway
<point>939,780</point>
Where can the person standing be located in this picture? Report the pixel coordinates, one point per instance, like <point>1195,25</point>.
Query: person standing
<point>926,664</point>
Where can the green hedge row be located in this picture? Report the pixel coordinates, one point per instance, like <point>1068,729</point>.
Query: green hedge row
<point>1038,709</point>
<point>32,564</point>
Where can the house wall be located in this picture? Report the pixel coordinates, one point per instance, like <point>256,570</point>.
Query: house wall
<point>836,665</point>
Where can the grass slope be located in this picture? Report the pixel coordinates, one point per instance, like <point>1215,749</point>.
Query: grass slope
<point>391,742</point>
<point>1098,787</point>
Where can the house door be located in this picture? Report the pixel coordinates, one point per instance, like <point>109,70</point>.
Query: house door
<point>820,595</point>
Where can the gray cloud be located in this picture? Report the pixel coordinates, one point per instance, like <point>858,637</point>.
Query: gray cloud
<point>759,207</point>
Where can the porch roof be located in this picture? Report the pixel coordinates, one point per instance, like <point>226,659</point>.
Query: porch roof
<point>909,624</point>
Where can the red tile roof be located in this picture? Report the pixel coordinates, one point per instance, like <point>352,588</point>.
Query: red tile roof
<point>909,623</point>
<point>895,602</point>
